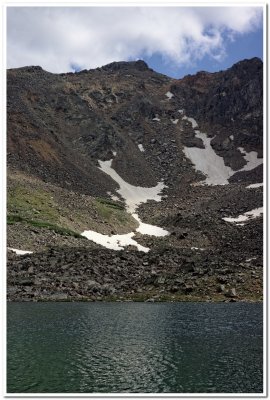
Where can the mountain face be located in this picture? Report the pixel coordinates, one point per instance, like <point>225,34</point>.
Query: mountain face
<point>73,138</point>
<point>60,125</point>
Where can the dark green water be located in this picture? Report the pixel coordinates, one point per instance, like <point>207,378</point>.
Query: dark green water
<point>135,347</point>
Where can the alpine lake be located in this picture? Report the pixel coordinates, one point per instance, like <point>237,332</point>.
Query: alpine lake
<point>129,347</point>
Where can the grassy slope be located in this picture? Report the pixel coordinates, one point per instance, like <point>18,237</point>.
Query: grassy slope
<point>34,203</point>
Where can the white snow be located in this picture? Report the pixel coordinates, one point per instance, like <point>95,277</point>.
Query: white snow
<point>192,120</point>
<point>181,111</point>
<point>174,121</point>
<point>197,248</point>
<point>231,137</point>
<point>147,229</point>
<point>114,242</point>
<point>114,196</point>
<point>156,119</point>
<point>133,196</point>
<point>20,252</point>
<point>114,153</point>
<point>169,94</point>
<point>254,185</point>
<point>246,216</point>
<point>141,147</point>
<point>212,165</point>
<point>252,159</point>
<point>208,162</point>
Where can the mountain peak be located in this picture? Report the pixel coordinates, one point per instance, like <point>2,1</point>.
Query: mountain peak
<point>30,68</point>
<point>139,65</point>
<point>254,60</point>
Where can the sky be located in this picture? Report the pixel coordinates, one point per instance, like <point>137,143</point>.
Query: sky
<point>175,41</point>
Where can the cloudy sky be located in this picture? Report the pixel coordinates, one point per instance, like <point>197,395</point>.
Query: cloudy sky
<point>172,40</point>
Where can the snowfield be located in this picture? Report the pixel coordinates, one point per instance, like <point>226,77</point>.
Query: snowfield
<point>133,196</point>
<point>211,164</point>
<point>114,242</point>
<point>246,216</point>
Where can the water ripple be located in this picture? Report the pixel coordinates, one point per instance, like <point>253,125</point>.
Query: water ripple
<point>134,348</point>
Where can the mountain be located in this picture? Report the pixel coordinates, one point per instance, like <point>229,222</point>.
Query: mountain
<point>73,139</point>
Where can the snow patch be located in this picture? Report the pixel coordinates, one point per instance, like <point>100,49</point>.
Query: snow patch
<point>231,137</point>
<point>252,159</point>
<point>113,196</point>
<point>192,121</point>
<point>181,111</point>
<point>141,147</point>
<point>147,229</point>
<point>245,217</point>
<point>20,252</point>
<point>133,196</point>
<point>212,165</point>
<point>156,119</point>
<point>254,185</point>
<point>169,95</point>
<point>208,162</point>
<point>114,153</point>
<point>114,242</point>
<point>174,121</point>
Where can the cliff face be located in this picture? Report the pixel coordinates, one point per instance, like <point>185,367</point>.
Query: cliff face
<point>231,98</point>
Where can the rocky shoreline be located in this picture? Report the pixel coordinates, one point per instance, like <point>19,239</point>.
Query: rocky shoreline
<point>79,274</point>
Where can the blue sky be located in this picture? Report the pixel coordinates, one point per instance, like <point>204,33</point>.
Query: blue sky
<point>175,41</point>
<point>244,46</point>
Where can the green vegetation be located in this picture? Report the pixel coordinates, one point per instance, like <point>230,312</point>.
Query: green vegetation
<point>41,206</point>
<point>31,203</point>
<point>110,203</point>
<point>110,210</point>
<point>11,219</point>
<point>36,208</point>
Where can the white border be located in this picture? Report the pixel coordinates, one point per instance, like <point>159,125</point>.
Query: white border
<point>140,3</point>
<point>265,202</point>
<point>124,3</point>
<point>3,187</point>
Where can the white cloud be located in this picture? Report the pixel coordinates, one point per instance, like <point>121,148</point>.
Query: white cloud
<point>56,37</point>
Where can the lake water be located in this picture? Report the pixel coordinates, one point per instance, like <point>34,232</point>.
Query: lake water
<point>135,347</point>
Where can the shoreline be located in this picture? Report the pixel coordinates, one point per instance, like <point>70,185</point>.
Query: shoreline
<point>77,274</point>
<point>143,298</point>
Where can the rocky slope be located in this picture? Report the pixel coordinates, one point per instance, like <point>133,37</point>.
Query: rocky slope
<point>58,129</point>
<point>167,274</point>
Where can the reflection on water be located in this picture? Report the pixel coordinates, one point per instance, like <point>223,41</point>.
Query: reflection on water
<point>134,347</point>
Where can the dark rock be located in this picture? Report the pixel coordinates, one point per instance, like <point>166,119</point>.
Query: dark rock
<point>222,279</point>
<point>188,288</point>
